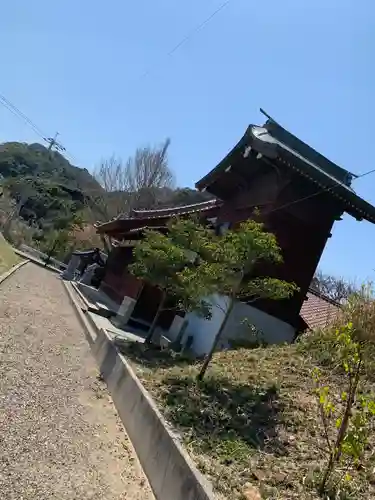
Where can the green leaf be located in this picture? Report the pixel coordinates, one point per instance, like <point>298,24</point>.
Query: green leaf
<point>191,263</point>
<point>371,407</point>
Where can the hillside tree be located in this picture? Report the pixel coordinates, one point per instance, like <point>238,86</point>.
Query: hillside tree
<point>60,240</point>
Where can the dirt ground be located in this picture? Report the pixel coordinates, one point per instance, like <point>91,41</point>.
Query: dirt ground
<point>60,436</point>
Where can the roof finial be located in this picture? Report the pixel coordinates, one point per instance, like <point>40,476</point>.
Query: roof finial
<point>269,117</point>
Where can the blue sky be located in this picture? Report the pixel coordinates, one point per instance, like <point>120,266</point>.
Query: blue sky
<point>77,66</point>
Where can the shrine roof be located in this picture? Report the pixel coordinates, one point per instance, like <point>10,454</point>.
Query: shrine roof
<point>171,211</point>
<point>138,232</point>
<point>277,144</point>
<point>153,219</point>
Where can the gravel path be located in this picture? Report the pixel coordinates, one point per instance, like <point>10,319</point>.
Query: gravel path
<point>60,436</point>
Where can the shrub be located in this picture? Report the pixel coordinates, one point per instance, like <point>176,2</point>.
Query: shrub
<point>347,416</point>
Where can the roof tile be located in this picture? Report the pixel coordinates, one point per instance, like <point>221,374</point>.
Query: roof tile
<point>318,311</point>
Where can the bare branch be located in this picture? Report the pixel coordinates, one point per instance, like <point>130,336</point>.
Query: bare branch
<point>332,287</point>
<point>137,182</point>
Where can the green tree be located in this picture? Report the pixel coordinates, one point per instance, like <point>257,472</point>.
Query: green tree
<point>58,241</point>
<point>170,262</point>
<point>193,264</point>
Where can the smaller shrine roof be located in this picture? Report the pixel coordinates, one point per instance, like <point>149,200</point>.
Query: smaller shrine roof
<point>172,211</point>
<point>139,220</point>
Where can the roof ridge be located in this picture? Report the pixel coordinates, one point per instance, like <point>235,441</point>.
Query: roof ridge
<point>324,297</point>
<point>213,201</point>
<point>310,153</point>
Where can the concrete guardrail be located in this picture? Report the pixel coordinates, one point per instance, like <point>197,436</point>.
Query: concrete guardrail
<point>170,471</point>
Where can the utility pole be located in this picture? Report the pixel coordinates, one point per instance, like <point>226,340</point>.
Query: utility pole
<point>52,143</point>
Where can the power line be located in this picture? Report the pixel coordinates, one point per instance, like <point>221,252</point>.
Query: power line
<point>191,33</point>
<point>18,116</point>
<point>52,141</point>
<point>11,107</point>
<point>199,27</point>
<point>366,173</point>
<point>321,191</point>
<point>59,147</point>
<point>17,112</point>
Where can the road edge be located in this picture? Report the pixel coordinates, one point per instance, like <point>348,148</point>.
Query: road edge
<point>12,270</point>
<point>170,471</point>
<point>36,261</point>
<point>89,329</point>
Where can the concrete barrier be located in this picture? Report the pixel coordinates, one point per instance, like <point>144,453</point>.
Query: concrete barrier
<point>37,254</point>
<point>169,469</point>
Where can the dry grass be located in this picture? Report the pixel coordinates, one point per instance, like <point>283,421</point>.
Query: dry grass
<point>252,422</point>
<point>7,256</point>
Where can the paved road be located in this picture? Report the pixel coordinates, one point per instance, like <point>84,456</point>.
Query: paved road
<point>60,436</point>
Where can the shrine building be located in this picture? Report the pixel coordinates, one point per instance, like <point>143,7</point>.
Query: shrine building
<point>299,195</point>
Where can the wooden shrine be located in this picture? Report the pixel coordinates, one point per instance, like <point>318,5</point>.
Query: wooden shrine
<point>298,194</point>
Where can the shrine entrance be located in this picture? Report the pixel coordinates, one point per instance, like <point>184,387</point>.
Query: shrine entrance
<point>147,306</point>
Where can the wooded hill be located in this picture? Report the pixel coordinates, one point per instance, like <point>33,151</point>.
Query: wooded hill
<point>52,189</point>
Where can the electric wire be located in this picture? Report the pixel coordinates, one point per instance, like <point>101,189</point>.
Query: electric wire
<point>17,112</point>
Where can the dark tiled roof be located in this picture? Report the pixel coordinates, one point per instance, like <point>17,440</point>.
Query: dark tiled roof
<point>277,144</point>
<point>179,210</point>
<point>142,218</point>
<point>326,180</point>
<point>318,311</point>
<point>306,152</point>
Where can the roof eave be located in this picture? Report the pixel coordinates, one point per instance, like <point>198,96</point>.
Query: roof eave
<point>107,227</point>
<point>210,178</point>
<point>354,205</point>
<point>170,211</point>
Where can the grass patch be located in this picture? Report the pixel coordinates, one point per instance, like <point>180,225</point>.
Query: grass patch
<point>252,422</point>
<point>8,257</point>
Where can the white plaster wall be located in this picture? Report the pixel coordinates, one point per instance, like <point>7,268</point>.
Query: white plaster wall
<point>126,308</point>
<point>175,328</point>
<point>274,330</point>
<point>202,330</point>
